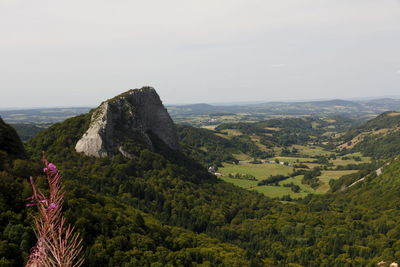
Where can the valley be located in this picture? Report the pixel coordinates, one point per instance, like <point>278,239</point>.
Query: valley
<point>271,192</point>
<point>324,148</point>
<point>287,147</point>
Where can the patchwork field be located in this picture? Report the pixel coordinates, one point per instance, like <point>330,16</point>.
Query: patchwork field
<point>263,171</point>
<point>312,154</point>
<point>260,172</point>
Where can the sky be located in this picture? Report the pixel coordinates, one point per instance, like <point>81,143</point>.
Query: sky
<point>79,53</point>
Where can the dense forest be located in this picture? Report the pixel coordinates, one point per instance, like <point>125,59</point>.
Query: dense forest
<point>162,208</point>
<point>115,231</point>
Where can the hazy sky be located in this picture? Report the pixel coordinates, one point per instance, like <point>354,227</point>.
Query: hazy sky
<point>75,53</point>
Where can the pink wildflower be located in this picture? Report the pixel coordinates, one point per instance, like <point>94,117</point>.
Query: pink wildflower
<point>57,244</point>
<point>51,168</point>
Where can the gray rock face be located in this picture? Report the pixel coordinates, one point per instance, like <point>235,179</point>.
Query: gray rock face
<point>126,121</point>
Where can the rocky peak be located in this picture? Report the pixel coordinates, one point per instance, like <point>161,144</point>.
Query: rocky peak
<point>127,121</point>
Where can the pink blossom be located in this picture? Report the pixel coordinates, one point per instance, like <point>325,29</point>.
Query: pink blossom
<point>57,244</point>
<point>51,168</point>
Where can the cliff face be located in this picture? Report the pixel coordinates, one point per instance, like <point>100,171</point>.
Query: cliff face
<point>126,121</point>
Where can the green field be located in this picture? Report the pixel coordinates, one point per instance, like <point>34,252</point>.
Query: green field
<point>317,151</point>
<point>340,161</point>
<point>293,159</point>
<point>242,156</point>
<point>297,181</point>
<point>260,171</point>
<point>312,150</point>
<point>326,176</point>
<point>278,191</point>
<point>240,182</point>
<point>263,171</point>
<point>231,132</point>
<point>275,191</point>
<point>271,191</point>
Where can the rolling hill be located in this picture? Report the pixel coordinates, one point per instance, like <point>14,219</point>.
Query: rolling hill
<point>378,137</point>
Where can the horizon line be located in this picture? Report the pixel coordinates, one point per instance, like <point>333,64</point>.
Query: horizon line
<point>227,103</point>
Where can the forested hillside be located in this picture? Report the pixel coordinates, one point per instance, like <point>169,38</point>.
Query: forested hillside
<point>163,208</point>
<point>167,184</point>
<point>27,131</point>
<point>115,231</point>
<point>16,233</point>
<point>177,191</point>
<point>378,138</point>
<point>208,148</point>
<point>10,144</point>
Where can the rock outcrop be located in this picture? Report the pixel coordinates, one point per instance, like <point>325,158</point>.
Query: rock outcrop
<point>127,121</point>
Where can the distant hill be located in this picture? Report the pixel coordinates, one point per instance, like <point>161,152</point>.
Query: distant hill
<point>41,115</point>
<point>382,104</point>
<point>352,109</point>
<point>377,138</point>
<point>336,102</point>
<point>365,109</point>
<point>386,120</point>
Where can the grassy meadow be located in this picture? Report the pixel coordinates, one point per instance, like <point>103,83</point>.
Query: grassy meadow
<point>326,176</point>
<point>263,171</point>
<point>306,155</point>
<point>260,171</point>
